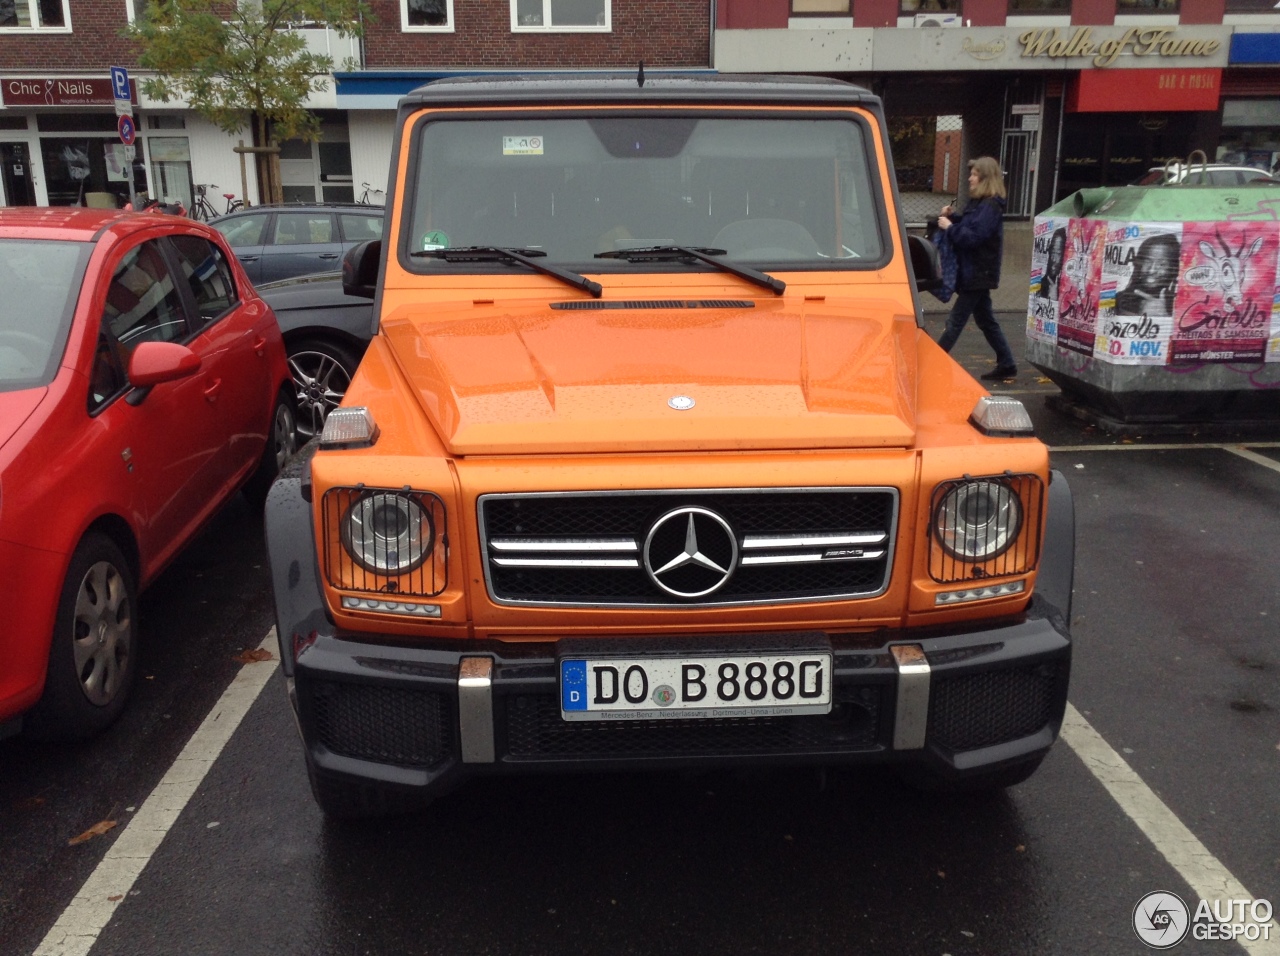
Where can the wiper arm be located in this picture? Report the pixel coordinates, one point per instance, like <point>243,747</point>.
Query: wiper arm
<point>655,253</point>
<point>502,254</point>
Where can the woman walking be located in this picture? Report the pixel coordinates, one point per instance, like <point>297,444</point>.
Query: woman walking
<point>977,236</point>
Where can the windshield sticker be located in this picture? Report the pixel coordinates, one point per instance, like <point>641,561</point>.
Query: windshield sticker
<point>522,145</point>
<point>435,239</point>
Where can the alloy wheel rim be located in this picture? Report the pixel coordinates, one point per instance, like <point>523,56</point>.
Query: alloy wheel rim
<point>321,382</point>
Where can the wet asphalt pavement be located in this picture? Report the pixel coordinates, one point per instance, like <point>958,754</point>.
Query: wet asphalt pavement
<point>1176,660</point>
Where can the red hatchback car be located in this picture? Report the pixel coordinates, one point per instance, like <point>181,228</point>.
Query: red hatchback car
<point>142,384</point>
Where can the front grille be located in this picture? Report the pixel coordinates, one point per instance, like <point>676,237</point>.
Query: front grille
<point>775,546</point>
<point>536,730</point>
<point>992,707</point>
<point>408,728</point>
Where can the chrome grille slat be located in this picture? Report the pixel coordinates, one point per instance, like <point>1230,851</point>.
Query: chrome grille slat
<point>566,562</point>
<point>809,541</point>
<point>587,549</point>
<point>808,558</point>
<point>563,544</point>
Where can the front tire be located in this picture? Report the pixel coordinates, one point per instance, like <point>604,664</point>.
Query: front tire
<point>282,442</point>
<point>93,655</point>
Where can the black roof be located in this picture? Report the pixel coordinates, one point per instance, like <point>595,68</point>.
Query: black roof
<point>623,87</point>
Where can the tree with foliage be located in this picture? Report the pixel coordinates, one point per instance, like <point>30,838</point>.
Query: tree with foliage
<point>244,62</point>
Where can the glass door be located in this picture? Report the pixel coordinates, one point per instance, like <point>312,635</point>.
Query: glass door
<point>17,177</point>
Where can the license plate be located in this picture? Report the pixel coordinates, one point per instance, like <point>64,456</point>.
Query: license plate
<point>654,688</point>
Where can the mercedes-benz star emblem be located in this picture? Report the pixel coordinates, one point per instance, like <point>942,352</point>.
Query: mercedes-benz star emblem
<point>681,403</point>
<point>690,552</point>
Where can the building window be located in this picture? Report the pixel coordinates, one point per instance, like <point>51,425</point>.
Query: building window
<point>1251,6</point>
<point>1040,6</point>
<point>35,15</point>
<point>564,15</point>
<point>1146,6</point>
<point>801,8</point>
<point>913,7</point>
<point>427,16</point>
<point>134,8</point>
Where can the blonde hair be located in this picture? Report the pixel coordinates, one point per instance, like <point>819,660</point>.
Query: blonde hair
<point>990,178</point>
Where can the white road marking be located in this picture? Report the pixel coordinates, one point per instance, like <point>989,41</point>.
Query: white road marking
<point>77,929</point>
<point>1196,446</point>
<point>1253,456</point>
<point>1208,878</point>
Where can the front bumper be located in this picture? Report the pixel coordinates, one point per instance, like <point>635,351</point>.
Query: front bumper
<point>420,719</point>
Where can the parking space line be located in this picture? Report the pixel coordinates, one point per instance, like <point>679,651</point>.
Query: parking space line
<point>1189,446</point>
<point>1208,878</point>
<point>77,929</point>
<point>1253,456</point>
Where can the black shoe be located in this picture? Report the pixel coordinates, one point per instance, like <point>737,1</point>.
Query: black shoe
<point>999,374</point>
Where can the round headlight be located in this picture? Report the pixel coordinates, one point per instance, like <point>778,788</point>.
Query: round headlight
<point>387,533</point>
<point>978,520</point>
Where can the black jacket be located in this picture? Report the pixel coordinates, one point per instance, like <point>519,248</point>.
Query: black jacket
<point>977,235</point>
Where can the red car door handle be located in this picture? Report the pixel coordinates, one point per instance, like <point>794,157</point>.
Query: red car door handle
<point>259,344</point>
<point>211,390</point>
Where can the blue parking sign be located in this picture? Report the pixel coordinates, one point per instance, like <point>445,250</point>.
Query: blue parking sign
<point>120,83</point>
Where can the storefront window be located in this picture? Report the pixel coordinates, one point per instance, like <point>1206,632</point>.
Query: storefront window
<point>1146,6</point>
<point>912,7</point>
<point>1251,134</point>
<point>1039,6</point>
<point>802,7</point>
<point>171,168</point>
<point>1251,6</point>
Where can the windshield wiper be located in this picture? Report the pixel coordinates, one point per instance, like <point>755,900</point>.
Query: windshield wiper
<point>502,254</point>
<point>655,253</point>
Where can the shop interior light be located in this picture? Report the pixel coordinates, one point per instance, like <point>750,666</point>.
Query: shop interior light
<point>980,594</point>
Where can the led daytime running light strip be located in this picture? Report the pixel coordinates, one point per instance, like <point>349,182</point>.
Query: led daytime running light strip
<point>391,607</point>
<point>980,594</point>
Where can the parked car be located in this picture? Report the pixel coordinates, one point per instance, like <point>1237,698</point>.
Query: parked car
<point>142,384</point>
<point>1211,174</point>
<point>276,242</point>
<point>325,333</point>
<point>651,464</point>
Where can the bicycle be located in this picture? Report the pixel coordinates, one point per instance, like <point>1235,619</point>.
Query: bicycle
<point>203,210</point>
<point>364,197</point>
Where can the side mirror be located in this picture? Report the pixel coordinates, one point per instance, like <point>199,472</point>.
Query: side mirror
<point>154,362</point>
<point>360,268</point>
<point>924,263</point>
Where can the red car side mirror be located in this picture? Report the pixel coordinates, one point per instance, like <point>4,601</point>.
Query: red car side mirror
<point>156,362</point>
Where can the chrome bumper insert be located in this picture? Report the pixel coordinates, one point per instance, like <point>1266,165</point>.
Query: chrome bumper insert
<point>911,718</point>
<point>475,709</point>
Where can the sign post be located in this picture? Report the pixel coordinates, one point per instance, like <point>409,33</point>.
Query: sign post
<point>122,95</point>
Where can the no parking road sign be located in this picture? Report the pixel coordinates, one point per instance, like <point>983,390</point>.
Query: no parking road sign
<point>127,133</point>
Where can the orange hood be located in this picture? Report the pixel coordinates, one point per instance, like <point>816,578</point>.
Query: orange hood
<point>521,377</point>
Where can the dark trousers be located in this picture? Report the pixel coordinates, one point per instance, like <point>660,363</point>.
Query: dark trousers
<point>977,304</point>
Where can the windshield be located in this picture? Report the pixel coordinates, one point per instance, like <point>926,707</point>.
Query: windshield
<point>39,283</point>
<point>768,191</point>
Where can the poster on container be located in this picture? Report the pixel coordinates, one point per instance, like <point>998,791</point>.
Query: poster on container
<point>1048,253</point>
<point>1226,291</point>
<point>1079,287</point>
<point>1139,283</point>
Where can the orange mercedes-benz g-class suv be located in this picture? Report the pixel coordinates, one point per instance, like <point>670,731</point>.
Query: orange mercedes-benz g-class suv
<point>650,463</point>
